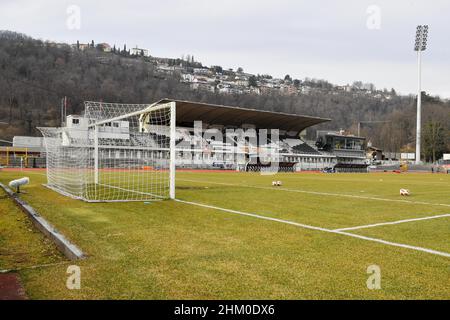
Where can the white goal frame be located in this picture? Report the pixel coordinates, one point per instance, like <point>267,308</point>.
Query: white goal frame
<point>78,169</point>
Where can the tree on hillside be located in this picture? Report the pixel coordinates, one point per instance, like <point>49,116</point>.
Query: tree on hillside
<point>34,76</point>
<point>266,76</point>
<point>357,85</point>
<point>217,69</point>
<point>252,81</point>
<point>100,47</point>
<point>433,141</point>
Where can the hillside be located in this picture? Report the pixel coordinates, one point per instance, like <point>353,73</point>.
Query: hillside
<point>36,75</point>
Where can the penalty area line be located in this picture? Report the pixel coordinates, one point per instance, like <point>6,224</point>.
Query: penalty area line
<point>305,226</point>
<point>392,222</point>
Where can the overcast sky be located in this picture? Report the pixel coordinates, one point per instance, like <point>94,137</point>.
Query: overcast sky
<point>340,41</point>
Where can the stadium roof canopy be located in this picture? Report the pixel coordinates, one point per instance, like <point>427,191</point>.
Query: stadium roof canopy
<point>212,114</point>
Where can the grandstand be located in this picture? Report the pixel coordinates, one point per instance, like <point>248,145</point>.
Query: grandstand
<point>294,153</point>
<point>348,150</point>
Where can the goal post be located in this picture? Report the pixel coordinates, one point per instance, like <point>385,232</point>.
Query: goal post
<point>173,154</point>
<point>96,154</point>
<point>115,152</point>
<point>134,154</point>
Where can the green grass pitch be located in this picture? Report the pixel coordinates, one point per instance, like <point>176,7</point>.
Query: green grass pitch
<point>179,250</point>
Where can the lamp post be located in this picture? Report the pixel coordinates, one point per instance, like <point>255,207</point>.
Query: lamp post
<point>420,45</point>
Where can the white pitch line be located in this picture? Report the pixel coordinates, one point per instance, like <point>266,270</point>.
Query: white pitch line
<point>392,222</point>
<point>305,226</point>
<point>395,244</point>
<point>319,193</point>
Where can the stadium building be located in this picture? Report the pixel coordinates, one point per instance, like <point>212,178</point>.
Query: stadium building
<point>201,148</point>
<point>130,152</point>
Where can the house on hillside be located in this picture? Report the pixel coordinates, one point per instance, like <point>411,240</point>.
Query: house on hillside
<point>105,47</point>
<point>266,89</point>
<point>165,68</point>
<point>202,84</point>
<point>80,46</point>
<point>346,88</point>
<point>187,77</point>
<point>202,71</point>
<point>255,90</point>
<point>139,52</point>
<point>288,89</point>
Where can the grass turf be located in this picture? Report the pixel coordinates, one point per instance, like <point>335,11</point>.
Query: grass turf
<point>22,245</point>
<point>165,250</point>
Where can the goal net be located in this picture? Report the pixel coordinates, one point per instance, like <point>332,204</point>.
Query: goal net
<point>114,152</point>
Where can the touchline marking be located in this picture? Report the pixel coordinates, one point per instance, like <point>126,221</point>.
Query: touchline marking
<point>392,222</point>
<point>319,193</point>
<point>305,226</point>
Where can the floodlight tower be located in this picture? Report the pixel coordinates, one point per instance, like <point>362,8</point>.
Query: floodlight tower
<point>420,45</point>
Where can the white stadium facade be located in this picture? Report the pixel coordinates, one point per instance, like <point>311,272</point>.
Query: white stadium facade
<point>196,150</point>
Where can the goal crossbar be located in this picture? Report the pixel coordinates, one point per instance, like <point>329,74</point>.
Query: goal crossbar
<point>151,108</point>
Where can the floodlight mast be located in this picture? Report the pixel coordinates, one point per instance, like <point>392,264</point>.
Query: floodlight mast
<point>420,45</point>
